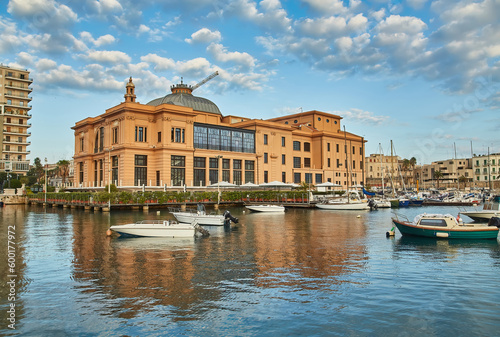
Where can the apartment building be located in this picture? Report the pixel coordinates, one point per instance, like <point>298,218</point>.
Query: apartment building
<point>14,119</point>
<point>486,170</point>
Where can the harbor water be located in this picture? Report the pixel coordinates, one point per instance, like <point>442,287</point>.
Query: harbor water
<point>307,272</point>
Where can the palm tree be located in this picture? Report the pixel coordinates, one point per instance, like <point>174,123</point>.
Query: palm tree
<point>438,175</point>
<point>463,179</point>
<point>413,163</point>
<point>405,168</point>
<point>63,169</point>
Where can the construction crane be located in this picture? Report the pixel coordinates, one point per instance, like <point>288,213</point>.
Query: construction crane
<point>199,84</point>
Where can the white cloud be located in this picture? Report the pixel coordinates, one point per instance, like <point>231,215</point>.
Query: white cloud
<point>159,63</point>
<point>327,7</point>
<point>107,56</point>
<point>220,53</point>
<point>204,35</point>
<point>365,117</point>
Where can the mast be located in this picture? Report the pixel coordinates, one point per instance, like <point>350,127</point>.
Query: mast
<point>346,165</point>
<point>392,173</point>
<point>381,169</point>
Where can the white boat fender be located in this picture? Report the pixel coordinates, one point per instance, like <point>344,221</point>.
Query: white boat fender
<point>109,232</point>
<point>359,216</point>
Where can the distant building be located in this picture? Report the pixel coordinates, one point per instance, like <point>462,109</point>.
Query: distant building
<point>184,140</point>
<point>451,169</point>
<point>486,170</point>
<point>382,169</point>
<point>14,119</point>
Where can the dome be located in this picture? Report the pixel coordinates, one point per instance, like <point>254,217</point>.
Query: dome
<point>187,100</point>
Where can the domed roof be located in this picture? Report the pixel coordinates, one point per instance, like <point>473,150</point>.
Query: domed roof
<point>187,100</point>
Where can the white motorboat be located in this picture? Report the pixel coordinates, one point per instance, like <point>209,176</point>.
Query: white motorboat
<point>266,208</point>
<point>202,218</point>
<point>490,209</point>
<point>159,228</point>
<point>350,201</point>
<point>383,203</point>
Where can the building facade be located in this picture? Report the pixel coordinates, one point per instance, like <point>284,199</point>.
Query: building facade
<point>381,169</point>
<point>486,170</point>
<point>184,140</point>
<point>455,173</point>
<point>14,119</point>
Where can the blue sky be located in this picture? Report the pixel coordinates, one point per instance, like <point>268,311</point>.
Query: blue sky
<point>425,74</point>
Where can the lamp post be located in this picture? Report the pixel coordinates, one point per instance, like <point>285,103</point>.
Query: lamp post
<point>109,176</point>
<point>45,180</point>
<point>218,178</point>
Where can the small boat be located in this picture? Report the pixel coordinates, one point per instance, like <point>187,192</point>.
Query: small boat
<point>351,201</point>
<point>446,226</point>
<point>159,228</point>
<point>383,203</point>
<point>491,208</point>
<point>203,218</point>
<point>266,208</point>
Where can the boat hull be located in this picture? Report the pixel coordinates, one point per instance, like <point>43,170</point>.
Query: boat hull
<point>481,215</point>
<point>346,206</point>
<point>406,228</point>
<point>266,208</point>
<point>201,219</point>
<point>156,230</point>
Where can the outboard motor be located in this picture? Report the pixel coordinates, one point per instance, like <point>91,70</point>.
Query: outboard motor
<point>373,204</point>
<point>494,221</point>
<point>228,218</point>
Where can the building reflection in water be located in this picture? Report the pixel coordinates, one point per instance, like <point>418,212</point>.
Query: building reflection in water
<point>299,249</point>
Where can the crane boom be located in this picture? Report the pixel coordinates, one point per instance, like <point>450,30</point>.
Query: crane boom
<point>199,84</point>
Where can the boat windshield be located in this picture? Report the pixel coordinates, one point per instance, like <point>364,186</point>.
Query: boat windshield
<point>433,222</point>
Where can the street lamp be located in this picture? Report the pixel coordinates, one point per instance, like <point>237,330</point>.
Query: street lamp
<point>218,178</point>
<point>45,180</point>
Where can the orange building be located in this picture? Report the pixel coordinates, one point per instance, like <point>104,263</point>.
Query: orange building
<point>184,140</point>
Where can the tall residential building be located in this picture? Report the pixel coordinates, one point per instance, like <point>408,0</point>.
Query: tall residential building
<point>184,140</point>
<point>14,119</point>
<point>453,172</point>
<point>378,166</point>
<point>486,170</point>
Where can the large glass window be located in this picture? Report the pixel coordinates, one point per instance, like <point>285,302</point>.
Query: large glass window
<point>199,171</point>
<point>140,133</point>
<point>200,137</point>
<point>225,140</point>
<point>296,145</point>
<point>141,170</point>
<point>249,171</point>
<point>308,178</point>
<point>296,178</point>
<point>178,171</point>
<point>237,141</point>
<point>213,139</point>
<point>114,170</point>
<point>296,162</point>
<point>248,142</point>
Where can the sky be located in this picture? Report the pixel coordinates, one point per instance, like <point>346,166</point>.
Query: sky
<point>424,74</point>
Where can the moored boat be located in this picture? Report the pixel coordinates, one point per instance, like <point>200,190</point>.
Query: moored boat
<point>159,228</point>
<point>202,218</point>
<point>266,208</point>
<point>491,208</point>
<point>446,226</point>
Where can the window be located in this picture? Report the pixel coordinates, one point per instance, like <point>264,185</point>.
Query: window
<point>200,137</point>
<point>141,170</point>
<point>307,147</point>
<point>249,171</point>
<point>328,147</point>
<point>307,162</point>
<point>225,169</point>
<point>353,150</point>
<point>283,141</point>
<point>265,139</point>
<point>319,178</point>
<point>283,177</point>
<point>225,137</point>
<point>159,137</point>
<point>337,148</point>
<point>199,171</point>
<point>213,173</point>
<point>338,163</point>
<point>248,142</point>
<point>329,162</point>
<point>178,171</point>
<point>114,133</point>
<point>296,145</point>
<point>237,171</point>
<point>177,135</point>
<point>141,133</point>
<point>308,178</point>
<point>80,180</point>
<point>114,170</point>
<point>266,176</point>
<point>265,157</point>
<point>283,159</point>
<point>296,162</point>
<point>353,164</point>
<point>82,142</point>
<point>296,178</point>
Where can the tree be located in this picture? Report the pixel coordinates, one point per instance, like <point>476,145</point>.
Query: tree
<point>405,168</point>
<point>38,169</point>
<point>63,169</point>
<point>438,175</point>
<point>413,163</point>
<point>463,180</point>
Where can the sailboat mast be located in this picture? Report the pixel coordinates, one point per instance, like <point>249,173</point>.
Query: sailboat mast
<point>346,161</point>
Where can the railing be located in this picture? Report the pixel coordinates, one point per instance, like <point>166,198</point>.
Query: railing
<point>18,87</point>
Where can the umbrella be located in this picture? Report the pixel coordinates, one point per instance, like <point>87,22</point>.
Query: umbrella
<point>275,184</point>
<point>328,184</point>
<point>222,184</point>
